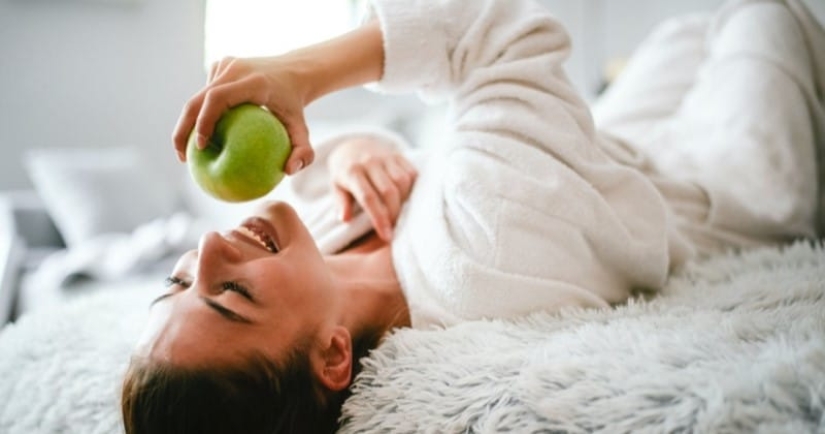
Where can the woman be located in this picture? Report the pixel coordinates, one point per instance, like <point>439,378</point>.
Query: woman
<point>524,207</point>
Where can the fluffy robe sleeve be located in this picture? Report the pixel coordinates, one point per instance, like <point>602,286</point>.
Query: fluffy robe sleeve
<point>518,210</point>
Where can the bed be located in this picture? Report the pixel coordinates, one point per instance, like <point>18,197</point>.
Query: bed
<point>735,343</point>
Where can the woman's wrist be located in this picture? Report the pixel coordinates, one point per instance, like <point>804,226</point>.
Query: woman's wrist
<point>352,59</point>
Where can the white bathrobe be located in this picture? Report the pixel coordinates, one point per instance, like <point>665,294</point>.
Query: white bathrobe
<point>523,206</point>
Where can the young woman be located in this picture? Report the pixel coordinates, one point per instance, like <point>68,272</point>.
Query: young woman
<point>523,207</point>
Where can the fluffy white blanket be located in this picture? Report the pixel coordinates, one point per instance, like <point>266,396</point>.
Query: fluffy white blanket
<point>735,344</point>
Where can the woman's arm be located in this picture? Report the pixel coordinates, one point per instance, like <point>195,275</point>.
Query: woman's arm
<point>285,85</point>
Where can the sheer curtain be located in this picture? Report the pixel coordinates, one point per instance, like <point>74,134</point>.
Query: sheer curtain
<point>243,28</point>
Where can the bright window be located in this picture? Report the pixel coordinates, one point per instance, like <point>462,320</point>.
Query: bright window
<point>244,28</point>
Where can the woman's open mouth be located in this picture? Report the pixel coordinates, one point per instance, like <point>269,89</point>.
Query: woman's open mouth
<point>262,232</point>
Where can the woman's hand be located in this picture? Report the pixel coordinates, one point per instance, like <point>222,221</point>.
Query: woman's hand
<point>285,85</point>
<point>376,176</point>
<point>272,82</point>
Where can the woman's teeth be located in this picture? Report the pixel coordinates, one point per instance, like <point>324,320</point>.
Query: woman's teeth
<point>260,237</point>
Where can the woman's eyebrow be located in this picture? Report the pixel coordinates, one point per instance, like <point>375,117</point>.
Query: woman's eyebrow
<point>225,312</point>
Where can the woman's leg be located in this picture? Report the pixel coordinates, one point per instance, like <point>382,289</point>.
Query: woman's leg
<point>745,131</point>
<point>656,78</point>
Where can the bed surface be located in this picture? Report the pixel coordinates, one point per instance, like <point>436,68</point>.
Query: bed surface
<point>734,344</point>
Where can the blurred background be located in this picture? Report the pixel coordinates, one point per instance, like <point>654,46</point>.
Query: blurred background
<point>102,73</point>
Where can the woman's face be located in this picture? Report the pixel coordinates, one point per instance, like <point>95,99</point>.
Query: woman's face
<point>261,287</point>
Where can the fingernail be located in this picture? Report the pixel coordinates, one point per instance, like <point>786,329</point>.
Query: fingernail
<point>202,141</point>
<point>388,231</point>
<point>297,166</point>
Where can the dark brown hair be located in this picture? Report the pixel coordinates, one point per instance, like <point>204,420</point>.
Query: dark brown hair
<point>259,396</point>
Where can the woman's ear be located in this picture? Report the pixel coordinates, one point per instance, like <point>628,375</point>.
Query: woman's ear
<point>333,365</point>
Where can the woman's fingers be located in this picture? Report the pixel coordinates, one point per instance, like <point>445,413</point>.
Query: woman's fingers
<point>203,111</point>
<point>344,200</point>
<point>302,154</point>
<point>221,98</point>
<point>230,85</point>
<point>215,70</point>
<point>218,68</point>
<point>376,178</point>
<point>362,189</point>
<point>373,205</point>
<point>403,174</point>
<point>185,124</point>
<point>202,105</point>
<point>387,191</point>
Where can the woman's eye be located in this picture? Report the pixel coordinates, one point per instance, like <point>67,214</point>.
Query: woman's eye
<point>235,287</point>
<point>172,281</point>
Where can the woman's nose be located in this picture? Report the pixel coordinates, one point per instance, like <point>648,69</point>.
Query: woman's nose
<point>215,251</point>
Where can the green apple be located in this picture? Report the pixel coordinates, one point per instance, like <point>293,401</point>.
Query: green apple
<point>245,157</point>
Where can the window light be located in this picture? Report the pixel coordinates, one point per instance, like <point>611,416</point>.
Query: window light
<point>244,28</point>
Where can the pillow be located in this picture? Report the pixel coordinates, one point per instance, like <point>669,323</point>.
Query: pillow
<point>88,191</point>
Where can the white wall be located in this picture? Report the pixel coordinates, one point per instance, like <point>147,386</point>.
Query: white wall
<point>88,73</point>
<point>604,29</point>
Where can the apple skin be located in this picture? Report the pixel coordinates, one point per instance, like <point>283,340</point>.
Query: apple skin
<point>245,157</point>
